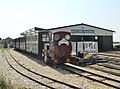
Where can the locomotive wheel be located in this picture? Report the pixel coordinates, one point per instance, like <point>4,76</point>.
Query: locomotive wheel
<point>47,60</point>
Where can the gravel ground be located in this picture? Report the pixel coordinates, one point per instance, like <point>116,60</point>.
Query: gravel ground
<point>17,81</point>
<point>37,77</point>
<point>55,73</point>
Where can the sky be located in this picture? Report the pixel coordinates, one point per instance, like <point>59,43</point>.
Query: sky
<point>17,16</point>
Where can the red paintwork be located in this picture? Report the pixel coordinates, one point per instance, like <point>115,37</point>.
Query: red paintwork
<point>62,50</point>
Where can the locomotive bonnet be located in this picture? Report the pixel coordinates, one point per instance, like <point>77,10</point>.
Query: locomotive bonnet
<point>59,49</point>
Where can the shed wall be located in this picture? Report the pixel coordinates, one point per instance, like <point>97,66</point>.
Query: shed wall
<point>105,43</point>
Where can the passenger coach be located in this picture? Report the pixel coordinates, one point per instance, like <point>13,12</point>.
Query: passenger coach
<point>52,47</point>
<point>80,37</point>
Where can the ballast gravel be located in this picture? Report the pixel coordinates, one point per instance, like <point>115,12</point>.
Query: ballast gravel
<point>39,67</point>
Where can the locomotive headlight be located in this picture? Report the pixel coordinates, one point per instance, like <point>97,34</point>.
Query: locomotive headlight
<point>56,37</point>
<point>67,37</point>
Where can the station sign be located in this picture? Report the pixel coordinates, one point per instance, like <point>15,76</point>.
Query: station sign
<point>82,31</point>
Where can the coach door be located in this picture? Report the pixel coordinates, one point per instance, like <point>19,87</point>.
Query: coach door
<point>45,52</point>
<point>74,48</point>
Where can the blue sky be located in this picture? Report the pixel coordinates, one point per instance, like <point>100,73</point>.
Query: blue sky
<point>16,16</point>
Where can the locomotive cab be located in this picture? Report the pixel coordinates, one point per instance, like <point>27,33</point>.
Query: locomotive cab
<point>48,54</point>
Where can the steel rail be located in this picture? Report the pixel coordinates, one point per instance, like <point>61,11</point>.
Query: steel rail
<point>26,75</point>
<point>72,86</point>
<point>68,68</point>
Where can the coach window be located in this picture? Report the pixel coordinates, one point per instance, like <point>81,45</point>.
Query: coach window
<point>45,37</point>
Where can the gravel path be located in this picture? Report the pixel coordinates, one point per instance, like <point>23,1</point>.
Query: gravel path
<point>17,81</point>
<point>41,79</point>
<point>40,67</point>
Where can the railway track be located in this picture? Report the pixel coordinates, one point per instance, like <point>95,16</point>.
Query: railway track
<point>114,70</point>
<point>112,58</point>
<point>34,76</point>
<point>110,65</point>
<point>93,75</point>
<point>109,54</point>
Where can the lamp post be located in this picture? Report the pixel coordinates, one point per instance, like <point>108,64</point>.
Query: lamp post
<point>96,38</point>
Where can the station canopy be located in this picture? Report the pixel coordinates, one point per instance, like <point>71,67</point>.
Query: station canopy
<point>33,31</point>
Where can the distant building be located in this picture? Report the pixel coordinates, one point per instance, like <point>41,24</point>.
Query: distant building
<point>7,42</point>
<point>86,37</point>
<point>1,43</point>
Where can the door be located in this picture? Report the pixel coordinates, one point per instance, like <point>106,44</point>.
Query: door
<point>91,47</point>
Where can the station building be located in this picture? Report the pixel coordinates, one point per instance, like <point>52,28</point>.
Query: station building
<point>84,38</point>
<point>90,38</point>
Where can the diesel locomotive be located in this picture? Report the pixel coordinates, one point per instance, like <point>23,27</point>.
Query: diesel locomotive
<point>59,50</point>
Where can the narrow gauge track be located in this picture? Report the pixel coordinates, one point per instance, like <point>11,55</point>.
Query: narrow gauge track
<point>105,70</point>
<point>109,65</point>
<point>92,75</point>
<point>35,73</point>
<point>115,62</point>
<point>109,54</point>
<point>112,58</point>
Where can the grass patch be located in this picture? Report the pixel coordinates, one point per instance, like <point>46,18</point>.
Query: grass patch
<point>4,84</point>
<point>3,49</point>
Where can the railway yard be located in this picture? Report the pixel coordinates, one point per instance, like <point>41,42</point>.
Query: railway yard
<point>25,72</point>
<point>40,54</point>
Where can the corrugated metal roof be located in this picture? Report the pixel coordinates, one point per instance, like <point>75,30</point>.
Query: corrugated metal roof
<point>81,24</point>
